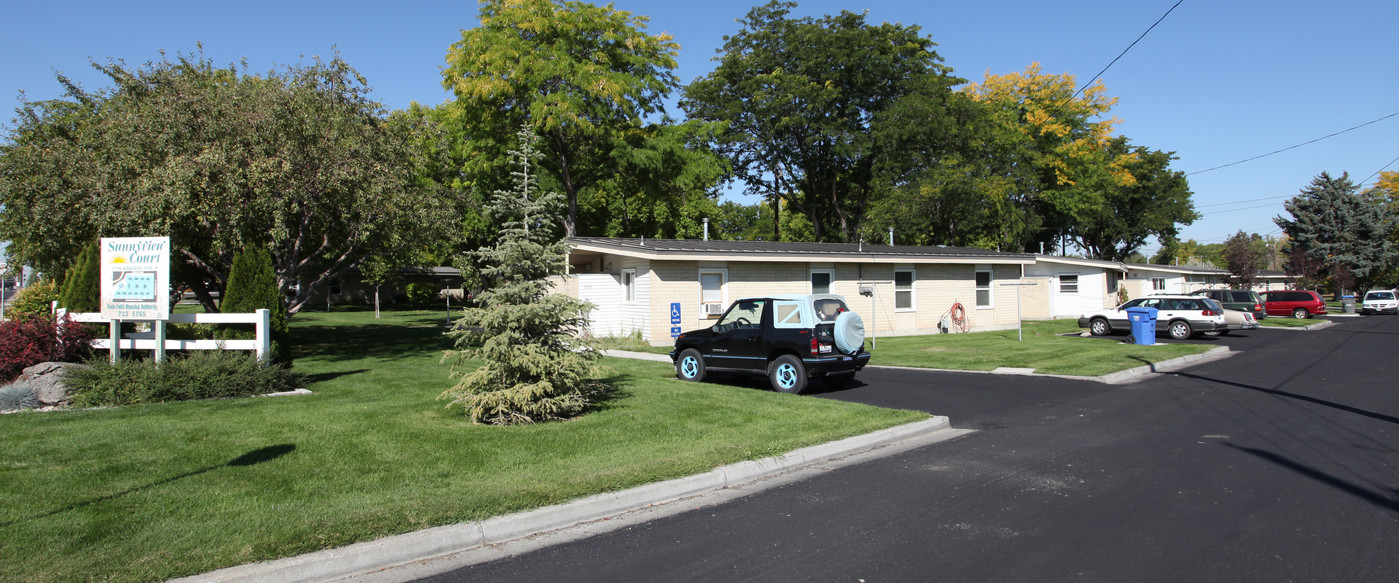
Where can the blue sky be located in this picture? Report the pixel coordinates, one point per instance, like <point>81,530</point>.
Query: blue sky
<point>1216,81</point>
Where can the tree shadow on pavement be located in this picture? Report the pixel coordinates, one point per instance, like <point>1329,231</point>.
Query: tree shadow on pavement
<point>1285,394</point>
<point>1387,501</point>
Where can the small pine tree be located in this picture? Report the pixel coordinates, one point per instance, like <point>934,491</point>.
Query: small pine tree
<point>536,366</point>
<point>82,286</point>
<point>253,286</point>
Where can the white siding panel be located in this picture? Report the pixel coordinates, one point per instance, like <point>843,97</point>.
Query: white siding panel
<point>605,292</point>
<point>1091,287</point>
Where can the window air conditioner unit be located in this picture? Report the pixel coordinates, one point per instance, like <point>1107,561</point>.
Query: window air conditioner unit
<point>713,309</point>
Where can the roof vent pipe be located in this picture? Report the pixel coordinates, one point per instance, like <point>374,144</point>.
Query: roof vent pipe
<point>862,245</point>
<point>643,240</point>
<point>891,236</point>
<point>706,228</point>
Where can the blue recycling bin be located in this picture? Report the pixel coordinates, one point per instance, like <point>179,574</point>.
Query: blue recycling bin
<point>1143,324</point>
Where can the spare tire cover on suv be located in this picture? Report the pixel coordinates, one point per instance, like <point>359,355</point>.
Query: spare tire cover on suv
<point>849,332</point>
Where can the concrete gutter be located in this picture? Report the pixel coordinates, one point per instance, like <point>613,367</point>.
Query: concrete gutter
<point>445,548</point>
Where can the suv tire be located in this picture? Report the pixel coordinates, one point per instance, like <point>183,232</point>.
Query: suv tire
<point>787,374</point>
<point>690,366</point>
<point>1301,313</point>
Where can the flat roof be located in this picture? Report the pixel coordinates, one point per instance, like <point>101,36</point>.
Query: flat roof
<point>712,250</point>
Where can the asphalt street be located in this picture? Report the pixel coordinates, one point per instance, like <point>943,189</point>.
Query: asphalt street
<point>1278,464</point>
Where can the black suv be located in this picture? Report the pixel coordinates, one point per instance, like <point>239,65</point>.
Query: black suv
<point>788,338</point>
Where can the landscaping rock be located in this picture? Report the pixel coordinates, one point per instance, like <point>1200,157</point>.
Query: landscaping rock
<point>47,378</point>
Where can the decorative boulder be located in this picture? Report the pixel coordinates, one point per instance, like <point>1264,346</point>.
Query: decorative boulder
<point>47,380</point>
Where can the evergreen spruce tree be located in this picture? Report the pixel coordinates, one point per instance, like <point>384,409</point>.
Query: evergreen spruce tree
<point>536,367</point>
<point>82,287</point>
<point>252,285</point>
<point>1342,229</point>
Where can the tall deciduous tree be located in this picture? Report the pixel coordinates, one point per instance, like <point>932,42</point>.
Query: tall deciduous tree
<point>806,102</point>
<point>1342,229</point>
<point>1244,256</point>
<point>1146,199</point>
<point>536,366</point>
<point>581,76</point>
<point>299,160</point>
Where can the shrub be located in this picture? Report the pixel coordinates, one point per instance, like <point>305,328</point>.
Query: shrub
<point>208,374</point>
<point>29,341</point>
<point>33,301</point>
<point>421,294</point>
<point>82,286</point>
<point>18,396</point>
<point>252,285</point>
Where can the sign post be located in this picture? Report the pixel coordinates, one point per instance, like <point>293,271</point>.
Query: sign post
<point>1019,323</point>
<point>135,285</point>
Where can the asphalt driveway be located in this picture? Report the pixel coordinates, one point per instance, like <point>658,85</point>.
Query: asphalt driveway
<point>1278,464</point>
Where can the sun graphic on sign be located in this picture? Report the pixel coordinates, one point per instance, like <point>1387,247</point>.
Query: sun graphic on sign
<point>118,259</point>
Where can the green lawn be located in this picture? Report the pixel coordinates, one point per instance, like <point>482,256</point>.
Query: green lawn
<point>153,492</point>
<point>1044,349</point>
<point>1289,322</point>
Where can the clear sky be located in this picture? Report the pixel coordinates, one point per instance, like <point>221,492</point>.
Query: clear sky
<point>1216,82</point>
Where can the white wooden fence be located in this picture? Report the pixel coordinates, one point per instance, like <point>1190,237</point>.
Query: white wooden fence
<point>156,340</point>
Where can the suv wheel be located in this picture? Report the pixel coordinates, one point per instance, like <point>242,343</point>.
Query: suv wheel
<point>1099,327</point>
<point>1301,313</point>
<point>690,365</point>
<point>787,374</point>
<point>1180,330</point>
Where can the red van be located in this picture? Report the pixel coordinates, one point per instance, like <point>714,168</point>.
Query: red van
<point>1298,304</point>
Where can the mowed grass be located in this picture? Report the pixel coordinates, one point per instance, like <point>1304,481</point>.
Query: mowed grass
<point>1045,349</point>
<point>148,493</point>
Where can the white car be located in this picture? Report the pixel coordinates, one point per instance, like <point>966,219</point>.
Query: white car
<point>1181,316</point>
<point>1380,301</point>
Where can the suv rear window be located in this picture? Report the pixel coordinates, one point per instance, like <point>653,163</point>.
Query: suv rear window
<point>1242,296</point>
<point>828,308</point>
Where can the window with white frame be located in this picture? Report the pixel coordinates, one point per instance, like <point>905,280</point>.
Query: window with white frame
<point>984,276</point>
<point>903,289</point>
<point>712,292</point>
<point>628,285</point>
<point>821,280</point>
<point>1068,284</point>
<point>1158,284</point>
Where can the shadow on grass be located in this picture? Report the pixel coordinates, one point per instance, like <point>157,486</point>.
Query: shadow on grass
<point>327,376</point>
<point>250,458</point>
<point>612,388</point>
<point>340,343</point>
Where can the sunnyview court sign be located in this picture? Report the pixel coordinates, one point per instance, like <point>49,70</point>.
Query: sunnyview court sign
<point>135,278</point>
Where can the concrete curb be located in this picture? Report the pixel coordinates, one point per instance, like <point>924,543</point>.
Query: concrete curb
<point>1117,378</point>
<point>363,559</point>
<point>1316,326</point>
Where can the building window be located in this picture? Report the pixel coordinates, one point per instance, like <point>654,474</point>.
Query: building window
<point>983,288</point>
<point>334,289</point>
<point>903,289</point>
<point>1158,284</point>
<point>628,285</point>
<point>821,280</point>
<point>712,293</point>
<point>1068,284</point>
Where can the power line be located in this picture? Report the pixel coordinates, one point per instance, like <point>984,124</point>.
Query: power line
<point>1124,51</point>
<point>1244,201</point>
<point>1296,146</point>
<point>1367,178</point>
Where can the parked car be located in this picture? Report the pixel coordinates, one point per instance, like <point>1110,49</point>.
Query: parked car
<point>1300,304</point>
<point>1243,300</point>
<point>1237,320</point>
<point>1379,301</point>
<point>1180,316</point>
<point>788,338</point>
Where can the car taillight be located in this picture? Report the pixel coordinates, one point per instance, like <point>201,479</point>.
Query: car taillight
<point>815,346</point>
<point>1257,308</point>
<point>1209,313</point>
